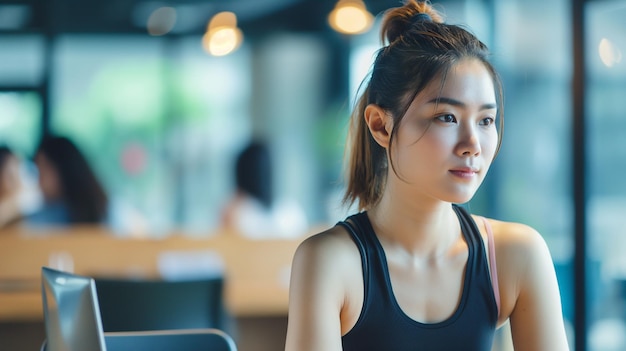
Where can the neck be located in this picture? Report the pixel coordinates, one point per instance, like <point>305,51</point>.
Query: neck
<point>425,228</point>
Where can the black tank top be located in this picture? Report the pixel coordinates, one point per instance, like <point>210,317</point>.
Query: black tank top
<point>383,326</point>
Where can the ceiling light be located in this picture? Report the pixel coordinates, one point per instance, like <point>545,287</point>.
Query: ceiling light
<point>222,36</point>
<point>350,17</point>
<point>609,53</point>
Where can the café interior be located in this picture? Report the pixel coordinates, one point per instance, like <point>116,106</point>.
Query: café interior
<point>161,97</point>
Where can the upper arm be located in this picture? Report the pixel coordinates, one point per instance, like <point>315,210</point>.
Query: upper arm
<point>537,318</point>
<point>316,296</point>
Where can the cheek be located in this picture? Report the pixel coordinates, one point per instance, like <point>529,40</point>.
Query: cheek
<point>422,134</point>
<point>489,144</point>
<point>48,182</point>
<point>417,148</point>
<point>438,141</point>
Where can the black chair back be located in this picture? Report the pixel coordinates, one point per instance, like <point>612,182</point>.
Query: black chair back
<point>142,305</point>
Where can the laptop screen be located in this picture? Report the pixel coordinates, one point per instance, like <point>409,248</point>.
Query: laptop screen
<point>71,312</point>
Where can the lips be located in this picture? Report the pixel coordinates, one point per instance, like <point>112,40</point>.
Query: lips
<point>464,172</point>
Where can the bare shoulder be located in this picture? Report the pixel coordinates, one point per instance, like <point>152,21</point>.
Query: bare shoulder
<point>324,274</point>
<point>326,269</point>
<point>517,240</point>
<point>522,258</point>
<point>328,247</point>
<point>517,246</point>
<point>528,287</point>
<point>520,250</point>
<point>512,237</point>
<point>328,264</point>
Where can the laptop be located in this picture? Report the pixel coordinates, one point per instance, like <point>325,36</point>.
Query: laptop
<point>71,312</point>
<point>73,322</point>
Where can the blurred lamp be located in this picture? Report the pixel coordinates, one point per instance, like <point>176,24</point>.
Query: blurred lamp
<point>222,36</point>
<point>350,17</point>
<point>610,54</point>
<point>161,21</point>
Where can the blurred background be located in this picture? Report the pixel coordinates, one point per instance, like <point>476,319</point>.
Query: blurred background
<point>161,103</point>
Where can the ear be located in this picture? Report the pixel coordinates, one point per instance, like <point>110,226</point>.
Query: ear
<point>379,123</point>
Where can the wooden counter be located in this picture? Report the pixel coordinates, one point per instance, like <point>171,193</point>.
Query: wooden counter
<point>256,271</point>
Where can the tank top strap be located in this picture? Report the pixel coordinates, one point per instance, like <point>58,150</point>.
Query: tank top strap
<point>471,234</point>
<point>373,260</point>
<point>351,225</point>
<point>492,262</point>
<point>485,258</point>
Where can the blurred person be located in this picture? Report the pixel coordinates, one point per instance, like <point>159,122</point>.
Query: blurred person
<point>252,210</point>
<point>414,270</point>
<point>70,189</point>
<point>11,186</point>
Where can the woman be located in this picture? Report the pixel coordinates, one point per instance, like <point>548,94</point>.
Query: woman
<point>252,211</point>
<point>249,211</point>
<point>71,191</point>
<point>412,270</point>
<point>11,209</point>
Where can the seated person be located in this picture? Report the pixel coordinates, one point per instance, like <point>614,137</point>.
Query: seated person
<point>252,211</point>
<point>71,191</point>
<point>10,187</point>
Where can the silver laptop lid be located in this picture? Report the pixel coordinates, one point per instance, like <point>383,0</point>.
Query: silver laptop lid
<point>71,312</point>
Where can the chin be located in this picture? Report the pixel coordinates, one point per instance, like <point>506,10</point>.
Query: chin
<point>460,201</point>
<point>459,197</point>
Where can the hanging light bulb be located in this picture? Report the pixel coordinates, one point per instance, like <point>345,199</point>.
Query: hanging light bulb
<point>350,17</point>
<point>222,36</point>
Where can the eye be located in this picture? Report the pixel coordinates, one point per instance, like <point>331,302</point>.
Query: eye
<point>487,121</point>
<point>447,118</point>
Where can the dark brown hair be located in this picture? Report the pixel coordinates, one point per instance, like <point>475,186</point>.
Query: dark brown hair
<point>83,194</point>
<point>418,47</point>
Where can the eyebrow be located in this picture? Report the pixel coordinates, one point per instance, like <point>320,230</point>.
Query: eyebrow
<point>454,102</point>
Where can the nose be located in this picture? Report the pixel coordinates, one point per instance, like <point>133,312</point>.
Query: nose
<point>468,142</point>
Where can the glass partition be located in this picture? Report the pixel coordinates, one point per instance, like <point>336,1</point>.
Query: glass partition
<point>530,181</point>
<point>20,121</point>
<point>160,121</point>
<point>605,44</point>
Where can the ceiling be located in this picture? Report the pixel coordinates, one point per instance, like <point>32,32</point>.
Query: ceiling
<point>255,17</point>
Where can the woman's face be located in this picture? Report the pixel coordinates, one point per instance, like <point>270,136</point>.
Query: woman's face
<point>447,139</point>
<point>10,182</point>
<point>49,182</point>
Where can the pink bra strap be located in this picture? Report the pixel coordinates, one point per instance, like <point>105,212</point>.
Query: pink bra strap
<point>492,262</point>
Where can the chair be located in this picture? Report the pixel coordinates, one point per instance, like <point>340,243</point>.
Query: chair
<point>143,305</point>
<point>171,340</point>
<point>168,340</point>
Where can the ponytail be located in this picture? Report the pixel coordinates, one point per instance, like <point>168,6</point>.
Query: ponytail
<point>366,160</point>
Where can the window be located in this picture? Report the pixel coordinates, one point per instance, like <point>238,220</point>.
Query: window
<point>20,121</point>
<point>606,127</point>
<point>159,122</point>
